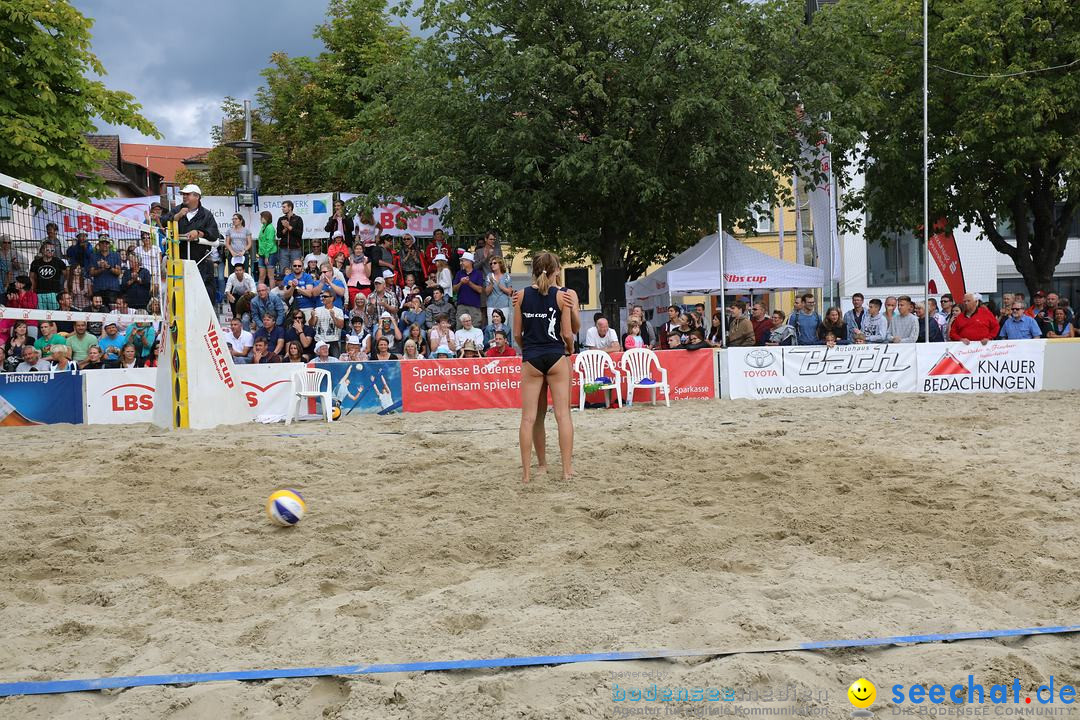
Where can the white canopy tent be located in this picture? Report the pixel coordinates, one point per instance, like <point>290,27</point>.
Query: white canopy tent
<point>696,271</point>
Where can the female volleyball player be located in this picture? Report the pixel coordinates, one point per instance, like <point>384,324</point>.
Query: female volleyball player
<point>545,324</point>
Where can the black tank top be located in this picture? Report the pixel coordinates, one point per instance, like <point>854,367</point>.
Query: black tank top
<point>540,324</point>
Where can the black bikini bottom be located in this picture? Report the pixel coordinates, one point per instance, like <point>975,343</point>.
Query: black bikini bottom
<point>544,363</point>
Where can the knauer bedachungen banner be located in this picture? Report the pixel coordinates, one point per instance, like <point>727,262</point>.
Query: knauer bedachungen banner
<point>1001,366</point>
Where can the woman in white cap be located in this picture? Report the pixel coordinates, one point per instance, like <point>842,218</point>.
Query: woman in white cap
<point>338,246</point>
<point>354,351</point>
<point>544,328</point>
<point>442,274</point>
<point>388,329</point>
<point>340,222</point>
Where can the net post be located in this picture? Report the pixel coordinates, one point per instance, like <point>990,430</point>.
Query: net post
<point>178,366</point>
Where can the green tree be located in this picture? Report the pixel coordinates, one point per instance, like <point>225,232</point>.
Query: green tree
<point>308,108</point>
<point>609,130</point>
<point>49,102</point>
<point>1004,149</point>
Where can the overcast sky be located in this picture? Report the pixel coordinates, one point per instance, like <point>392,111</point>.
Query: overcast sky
<point>180,60</point>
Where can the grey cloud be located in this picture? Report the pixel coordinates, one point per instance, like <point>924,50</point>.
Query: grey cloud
<point>180,60</point>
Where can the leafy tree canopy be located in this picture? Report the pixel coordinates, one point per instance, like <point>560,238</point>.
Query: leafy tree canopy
<point>48,101</point>
<point>610,130</point>
<point>1002,148</point>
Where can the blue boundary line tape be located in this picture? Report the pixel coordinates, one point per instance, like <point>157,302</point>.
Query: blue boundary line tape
<point>67,686</point>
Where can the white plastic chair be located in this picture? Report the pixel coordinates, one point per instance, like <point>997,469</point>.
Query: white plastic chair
<point>637,365</point>
<point>591,365</point>
<point>308,383</point>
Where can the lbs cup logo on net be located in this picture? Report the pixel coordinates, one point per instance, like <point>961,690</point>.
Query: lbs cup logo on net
<point>217,356</point>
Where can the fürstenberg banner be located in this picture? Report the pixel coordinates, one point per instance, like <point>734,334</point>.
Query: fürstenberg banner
<point>1002,366</point>
<point>820,371</point>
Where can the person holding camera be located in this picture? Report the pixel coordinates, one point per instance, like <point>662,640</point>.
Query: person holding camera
<point>389,329</point>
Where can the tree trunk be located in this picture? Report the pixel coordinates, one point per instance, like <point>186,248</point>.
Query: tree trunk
<point>1040,245</point>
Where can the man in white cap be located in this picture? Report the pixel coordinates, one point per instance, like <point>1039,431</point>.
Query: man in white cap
<point>468,286</point>
<point>385,295</point>
<point>391,286</point>
<point>322,354</point>
<point>196,224</point>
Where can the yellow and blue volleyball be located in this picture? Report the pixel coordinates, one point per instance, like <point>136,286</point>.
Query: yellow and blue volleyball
<point>286,507</point>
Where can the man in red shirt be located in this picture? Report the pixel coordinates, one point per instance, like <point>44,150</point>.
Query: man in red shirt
<point>976,322</point>
<point>499,346</point>
<point>437,246</point>
<point>761,322</point>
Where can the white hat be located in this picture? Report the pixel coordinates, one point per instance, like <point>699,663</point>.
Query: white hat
<point>439,257</point>
<point>467,256</point>
<point>338,233</point>
<point>319,345</point>
<point>191,188</point>
<point>385,315</point>
<point>388,273</point>
<point>380,280</point>
<point>352,340</point>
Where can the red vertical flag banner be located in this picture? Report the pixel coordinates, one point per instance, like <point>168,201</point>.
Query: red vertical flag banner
<point>947,256</point>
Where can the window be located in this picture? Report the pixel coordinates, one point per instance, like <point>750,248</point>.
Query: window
<point>763,217</point>
<point>897,260</point>
<point>5,208</point>
<point>1006,230</point>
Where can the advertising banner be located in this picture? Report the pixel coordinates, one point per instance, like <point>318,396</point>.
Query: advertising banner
<point>1003,366</point>
<point>120,396</point>
<point>947,256</point>
<point>366,387</point>
<point>462,384</point>
<point>820,371</point>
<point>486,383</point>
<point>72,221</point>
<point>396,218</point>
<point>691,375</point>
<point>40,398</point>
<point>315,210</point>
<point>222,207</point>
<point>268,388</point>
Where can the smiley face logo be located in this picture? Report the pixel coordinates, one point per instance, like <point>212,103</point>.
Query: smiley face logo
<point>862,693</point>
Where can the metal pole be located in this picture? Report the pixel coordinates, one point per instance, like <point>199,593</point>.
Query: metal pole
<point>926,171</point>
<point>723,305</point>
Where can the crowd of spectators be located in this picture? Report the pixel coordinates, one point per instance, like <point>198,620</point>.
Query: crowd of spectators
<point>894,320</point>
<point>375,299</point>
<point>362,295</point>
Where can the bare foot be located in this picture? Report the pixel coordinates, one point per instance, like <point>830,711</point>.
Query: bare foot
<point>541,469</point>
<point>568,474</point>
<point>525,477</point>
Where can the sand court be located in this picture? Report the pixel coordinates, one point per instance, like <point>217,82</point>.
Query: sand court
<point>710,524</point>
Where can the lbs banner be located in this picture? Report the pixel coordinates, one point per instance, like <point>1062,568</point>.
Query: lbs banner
<point>819,371</point>
<point>1003,366</point>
